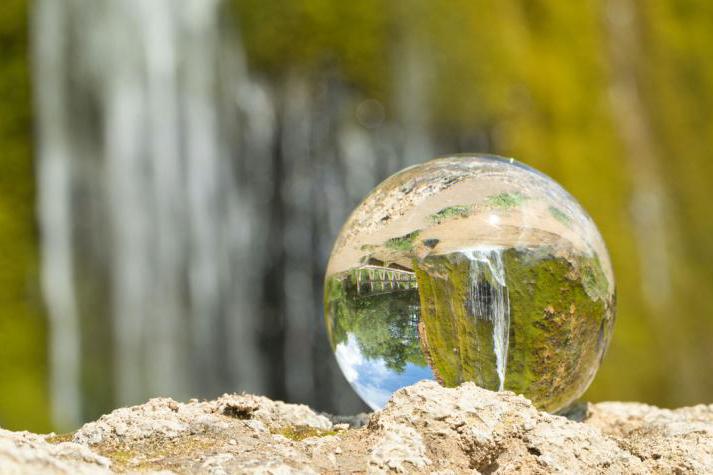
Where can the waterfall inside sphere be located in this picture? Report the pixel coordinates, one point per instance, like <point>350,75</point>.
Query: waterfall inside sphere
<point>470,268</point>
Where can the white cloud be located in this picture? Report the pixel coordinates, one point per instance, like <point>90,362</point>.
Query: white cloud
<point>375,397</point>
<point>349,358</point>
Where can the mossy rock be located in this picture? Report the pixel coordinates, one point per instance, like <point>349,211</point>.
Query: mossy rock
<point>451,212</point>
<point>506,200</point>
<point>560,316</point>
<point>402,243</point>
<point>560,324</point>
<point>460,346</point>
<point>559,330</point>
<point>298,433</point>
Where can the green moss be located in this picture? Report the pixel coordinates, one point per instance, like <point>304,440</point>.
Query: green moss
<point>157,453</point>
<point>506,200</point>
<point>459,346</point>
<point>560,216</point>
<point>557,333</point>
<point>440,304</point>
<point>177,453</point>
<point>402,243</point>
<point>302,432</point>
<point>355,34</point>
<point>59,438</point>
<point>121,458</point>
<point>451,212</point>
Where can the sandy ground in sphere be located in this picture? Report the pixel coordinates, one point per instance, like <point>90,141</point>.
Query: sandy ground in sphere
<point>527,224</point>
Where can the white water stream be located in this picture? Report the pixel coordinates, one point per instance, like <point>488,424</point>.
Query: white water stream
<point>490,300</point>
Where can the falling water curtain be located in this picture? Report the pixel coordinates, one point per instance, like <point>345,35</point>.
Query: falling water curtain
<point>187,207</point>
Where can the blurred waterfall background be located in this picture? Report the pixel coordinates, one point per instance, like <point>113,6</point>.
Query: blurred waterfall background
<point>187,208</point>
<point>174,174</point>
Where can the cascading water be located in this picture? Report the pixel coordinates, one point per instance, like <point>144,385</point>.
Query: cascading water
<point>489,300</point>
<point>187,208</point>
<point>144,220</point>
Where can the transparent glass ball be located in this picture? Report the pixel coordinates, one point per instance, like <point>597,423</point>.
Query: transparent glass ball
<point>470,268</point>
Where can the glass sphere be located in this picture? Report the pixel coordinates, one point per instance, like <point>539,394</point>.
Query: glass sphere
<point>470,268</point>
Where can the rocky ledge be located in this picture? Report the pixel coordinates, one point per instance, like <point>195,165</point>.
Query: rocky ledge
<point>425,428</point>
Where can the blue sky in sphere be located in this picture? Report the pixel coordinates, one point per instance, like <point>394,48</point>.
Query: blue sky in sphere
<point>371,378</point>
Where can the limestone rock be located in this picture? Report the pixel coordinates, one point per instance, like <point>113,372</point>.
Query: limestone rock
<point>25,453</point>
<point>167,418</point>
<point>425,428</point>
<point>667,441</point>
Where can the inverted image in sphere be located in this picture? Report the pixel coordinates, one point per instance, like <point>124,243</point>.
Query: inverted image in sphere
<point>470,268</point>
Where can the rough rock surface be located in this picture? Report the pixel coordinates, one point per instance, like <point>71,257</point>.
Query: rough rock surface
<point>22,452</point>
<point>425,428</point>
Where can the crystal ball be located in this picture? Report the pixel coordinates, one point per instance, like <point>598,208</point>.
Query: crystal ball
<point>470,268</point>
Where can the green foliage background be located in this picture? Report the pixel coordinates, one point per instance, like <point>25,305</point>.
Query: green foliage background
<point>613,99</point>
<point>23,386</point>
<point>383,324</point>
<point>542,80</point>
